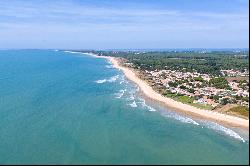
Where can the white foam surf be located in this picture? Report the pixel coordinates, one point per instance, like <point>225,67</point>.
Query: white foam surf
<point>121,82</point>
<point>101,81</point>
<point>180,118</point>
<point>151,109</point>
<point>186,120</point>
<point>109,66</point>
<point>111,79</point>
<point>131,97</point>
<point>72,52</point>
<point>227,131</point>
<point>120,93</point>
<point>133,104</point>
<point>143,103</point>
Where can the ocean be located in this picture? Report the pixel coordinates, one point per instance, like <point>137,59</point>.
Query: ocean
<point>60,107</point>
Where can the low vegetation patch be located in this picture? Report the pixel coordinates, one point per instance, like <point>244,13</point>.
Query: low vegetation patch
<point>239,110</point>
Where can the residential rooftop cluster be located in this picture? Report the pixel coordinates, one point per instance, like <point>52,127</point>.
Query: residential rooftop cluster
<point>234,73</point>
<point>203,88</point>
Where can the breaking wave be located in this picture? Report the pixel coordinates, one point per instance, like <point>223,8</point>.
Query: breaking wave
<point>72,52</point>
<point>219,128</point>
<point>120,93</point>
<point>131,97</point>
<point>143,103</point>
<point>111,79</point>
<point>101,81</point>
<point>133,104</point>
<point>180,118</point>
<point>109,66</point>
<point>150,108</point>
<point>122,79</point>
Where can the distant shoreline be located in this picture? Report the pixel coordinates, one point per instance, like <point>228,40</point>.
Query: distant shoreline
<point>150,93</point>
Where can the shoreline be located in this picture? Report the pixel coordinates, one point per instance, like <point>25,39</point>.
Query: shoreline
<point>177,106</point>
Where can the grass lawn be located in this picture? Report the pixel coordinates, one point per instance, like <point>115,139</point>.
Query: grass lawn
<point>188,100</point>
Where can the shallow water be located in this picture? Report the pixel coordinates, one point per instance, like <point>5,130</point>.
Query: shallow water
<point>64,108</point>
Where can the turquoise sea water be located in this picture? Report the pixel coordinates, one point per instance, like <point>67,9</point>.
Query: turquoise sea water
<point>66,108</point>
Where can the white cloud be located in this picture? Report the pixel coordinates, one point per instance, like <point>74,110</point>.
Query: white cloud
<point>70,21</point>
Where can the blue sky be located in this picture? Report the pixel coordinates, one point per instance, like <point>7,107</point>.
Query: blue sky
<point>123,24</point>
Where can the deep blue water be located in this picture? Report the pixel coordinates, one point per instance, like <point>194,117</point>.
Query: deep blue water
<point>65,108</point>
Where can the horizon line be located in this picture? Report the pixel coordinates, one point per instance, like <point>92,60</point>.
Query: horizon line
<point>108,49</point>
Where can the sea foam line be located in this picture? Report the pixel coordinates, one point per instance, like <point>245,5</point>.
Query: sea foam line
<point>143,103</point>
<point>131,97</point>
<point>219,128</point>
<point>120,94</point>
<point>169,114</point>
<point>72,52</point>
<point>133,104</point>
<point>111,79</point>
<point>121,82</point>
<point>122,79</point>
<point>109,66</point>
<point>180,118</point>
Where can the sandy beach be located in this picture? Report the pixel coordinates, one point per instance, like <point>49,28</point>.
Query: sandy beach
<point>149,92</point>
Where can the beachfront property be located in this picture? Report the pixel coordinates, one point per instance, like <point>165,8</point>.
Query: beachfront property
<point>197,86</point>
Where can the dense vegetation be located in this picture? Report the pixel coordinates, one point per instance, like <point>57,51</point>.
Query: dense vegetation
<point>219,82</point>
<point>203,62</point>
